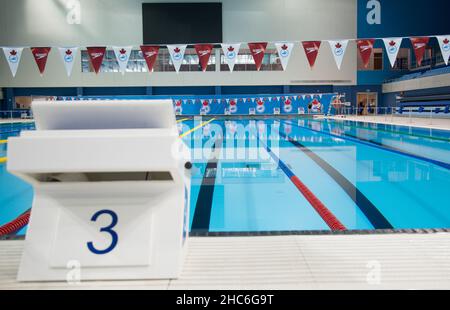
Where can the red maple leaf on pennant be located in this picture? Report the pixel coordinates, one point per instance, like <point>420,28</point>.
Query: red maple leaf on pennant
<point>230,49</point>
<point>13,53</point>
<point>123,51</point>
<point>68,52</point>
<point>284,47</point>
<point>338,45</point>
<point>177,50</point>
<point>205,103</point>
<point>446,41</point>
<point>392,43</point>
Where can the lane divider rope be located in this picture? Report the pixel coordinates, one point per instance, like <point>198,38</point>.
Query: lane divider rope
<point>329,218</point>
<point>15,225</point>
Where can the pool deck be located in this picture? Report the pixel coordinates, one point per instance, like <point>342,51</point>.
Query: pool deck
<point>402,261</point>
<point>422,122</point>
<point>15,121</point>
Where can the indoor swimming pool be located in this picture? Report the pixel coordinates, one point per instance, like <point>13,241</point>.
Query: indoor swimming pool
<point>280,175</point>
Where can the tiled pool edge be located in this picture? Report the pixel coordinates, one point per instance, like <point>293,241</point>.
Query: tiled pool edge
<point>319,232</point>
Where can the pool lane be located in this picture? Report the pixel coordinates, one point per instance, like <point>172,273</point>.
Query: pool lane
<point>252,196</point>
<point>409,192</point>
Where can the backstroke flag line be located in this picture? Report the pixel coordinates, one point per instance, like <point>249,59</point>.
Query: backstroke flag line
<point>284,51</point>
<point>150,53</point>
<point>338,49</point>
<point>365,48</point>
<point>231,52</point>
<point>13,56</point>
<point>258,49</point>
<point>40,55</point>
<point>68,55</point>
<point>392,46</point>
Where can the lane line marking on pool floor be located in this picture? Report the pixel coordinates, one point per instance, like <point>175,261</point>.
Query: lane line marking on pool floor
<point>196,128</point>
<point>375,217</point>
<point>377,145</point>
<point>203,207</point>
<point>327,216</point>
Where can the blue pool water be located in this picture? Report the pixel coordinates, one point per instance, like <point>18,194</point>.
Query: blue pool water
<point>369,176</point>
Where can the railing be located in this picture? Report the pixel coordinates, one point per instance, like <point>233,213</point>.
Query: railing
<point>16,114</point>
<point>393,114</point>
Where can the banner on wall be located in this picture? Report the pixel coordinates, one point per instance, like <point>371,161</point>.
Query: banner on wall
<point>311,50</point>
<point>68,55</point>
<point>40,55</point>
<point>338,49</point>
<point>177,55</point>
<point>444,43</point>
<point>150,54</point>
<point>122,56</point>
<point>284,51</point>
<point>392,46</point>
<point>203,53</point>
<point>365,48</point>
<point>13,56</point>
<point>231,52</point>
<point>419,45</point>
<point>258,49</point>
<point>96,55</point>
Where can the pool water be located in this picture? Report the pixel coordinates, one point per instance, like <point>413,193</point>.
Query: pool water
<point>368,176</point>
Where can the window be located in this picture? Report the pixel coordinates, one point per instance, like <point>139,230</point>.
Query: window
<point>245,62</point>
<point>402,62</point>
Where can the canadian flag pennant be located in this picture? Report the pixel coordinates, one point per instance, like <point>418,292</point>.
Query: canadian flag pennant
<point>311,50</point>
<point>338,49</point>
<point>231,51</point>
<point>284,51</point>
<point>13,56</point>
<point>258,49</point>
<point>68,55</point>
<point>123,56</point>
<point>203,53</point>
<point>96,55</point>
<point>365,48</point>
<point>419,46</point>
<point>177,55</point>
<point>444,43</point>
<point>40,55</point>
<point>392,46</point>
<point>150,53</point>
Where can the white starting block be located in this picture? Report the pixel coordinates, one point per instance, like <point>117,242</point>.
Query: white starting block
<point>112,186</point>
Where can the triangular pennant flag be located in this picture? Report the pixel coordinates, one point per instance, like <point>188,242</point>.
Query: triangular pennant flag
<point>392,46</point>
<point>338,49</point>
<point>365,48</point>
<point>123,56</point>
<point>150,53</point>
<point>258,49</point>
<point>40,55</point>
<point>203,53</point>
<point>284,51</point>
<point>444,43</point>
<point>68,55</point>
<point>311,50</point>
<point>177,55</point>
<point>96,55</point>
<point>303,97</point>
<point>419,46</point>
<point>231,52</point>
<point>13,56</point>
